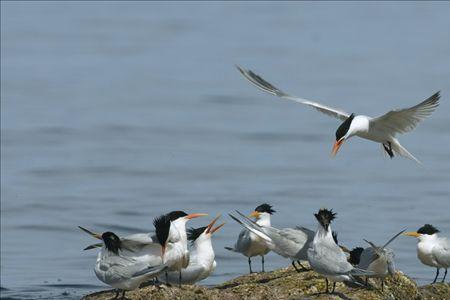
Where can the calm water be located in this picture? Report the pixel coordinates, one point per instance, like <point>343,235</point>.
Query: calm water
<point>113,113</point>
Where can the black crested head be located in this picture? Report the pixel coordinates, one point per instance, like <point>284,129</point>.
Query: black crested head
<point>194,233</point>
<point>335,235</point>
<point>355,256</point>
<point>427,229</point>
<point>325,216</point>
<point>343,128</point>
<point>162,228</point>
<point>112,242</point>
<point>176,214</point>
<point>267,208</point>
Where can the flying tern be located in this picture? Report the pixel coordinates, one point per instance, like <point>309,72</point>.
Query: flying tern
<point>326,257</point>
<point>382,129</point>
<point>290,243</point>
<point>432,250</point>
<point>250,244</point>
<point>202,259</point>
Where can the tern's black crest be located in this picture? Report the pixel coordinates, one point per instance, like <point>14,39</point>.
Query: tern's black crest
<point>325,216</point>
<point>112,242</point>
<point>194,233</point>
<point>173,215</point>
<point>427,229</point>
<point>355,256</point>
<point>265,208</point>
<point>342,130</point>
<point>162,227</point>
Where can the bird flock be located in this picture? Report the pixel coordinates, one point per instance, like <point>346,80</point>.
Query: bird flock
<point>173,254</point>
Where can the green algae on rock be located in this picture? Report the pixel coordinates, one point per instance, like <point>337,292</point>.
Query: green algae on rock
<point>287,284</point>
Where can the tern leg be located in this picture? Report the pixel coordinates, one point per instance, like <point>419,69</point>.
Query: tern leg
<point>445,275</point>
<point>123,295</point>
<point>388,149</point>
<point>179,279</point>
<point>437,274</point>
<point>382,284</point>
<point>250,264</point>
<point>295,267</point>
<point>117,294</point>
<point>367,281</point>
<point>326,286</point>
<point>262,261</point>
<point>334,286</point>
<point>303,268</point>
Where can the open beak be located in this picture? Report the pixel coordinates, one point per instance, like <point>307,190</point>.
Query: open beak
<point>412,233</point>
<point>193,216</point>
<point>255,214</point>
<point>217,228</point>
<point>93,246</point>
<point>336,147</point>
<point>96,235</point>
<point>210,225</point>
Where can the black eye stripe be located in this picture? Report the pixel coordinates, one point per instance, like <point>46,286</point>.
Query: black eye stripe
<point>343,128</point>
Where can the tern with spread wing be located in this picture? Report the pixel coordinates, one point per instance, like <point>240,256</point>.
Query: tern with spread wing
<point>379,260</point>
<point>432,250</point>
<point>326,257</point>
<point>290,243</point>
<point>202,259</point>
<point>250,244</point>
<point>382,129</point>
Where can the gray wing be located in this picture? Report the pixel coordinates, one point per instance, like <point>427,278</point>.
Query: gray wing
<point>442,252</point>
<point>117,268</point>
<point>367,257</point>
<point>404,120</point>
<point>262,84</point>
<point>328,258</point>
<point>243,242</point>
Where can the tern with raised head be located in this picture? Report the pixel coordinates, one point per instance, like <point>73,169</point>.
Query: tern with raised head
<point>382,129</point>
<point>290,243</point>
<point>432,250</point>
<point>326,257</point>
<point>250,244</point>
<point>202,258</point>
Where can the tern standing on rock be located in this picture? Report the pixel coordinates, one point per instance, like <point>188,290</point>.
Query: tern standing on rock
<point>250,244</point>
<point>432,250</point>
<point>382,129</point>
<point>326,257</point>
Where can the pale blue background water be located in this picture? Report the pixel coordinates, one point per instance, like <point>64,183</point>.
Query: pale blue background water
<point>113,113</point>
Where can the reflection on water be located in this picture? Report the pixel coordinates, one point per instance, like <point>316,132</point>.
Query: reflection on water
<point>113,114</point>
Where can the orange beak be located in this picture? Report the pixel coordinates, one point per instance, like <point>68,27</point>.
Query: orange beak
<point>217,228</point>
<point>193,216</point>
<point>210,225</point>
<point>412,233</point>
<point>254,214</point>
<point>336,147</point>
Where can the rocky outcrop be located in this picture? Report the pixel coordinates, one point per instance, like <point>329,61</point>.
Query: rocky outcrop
<point>288,284</point>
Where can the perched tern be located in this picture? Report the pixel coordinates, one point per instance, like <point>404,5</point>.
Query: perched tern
<point>326,257</point>
<point>379,260</point>
<point>382,129</point>
<point>202,259</point>
<point>432,250</point>
<point>250,244</point>
<point>290,243</point>
<point>123,272</point>
<point>148,247</point>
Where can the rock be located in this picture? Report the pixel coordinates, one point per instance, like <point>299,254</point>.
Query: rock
<point>288,284</point>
